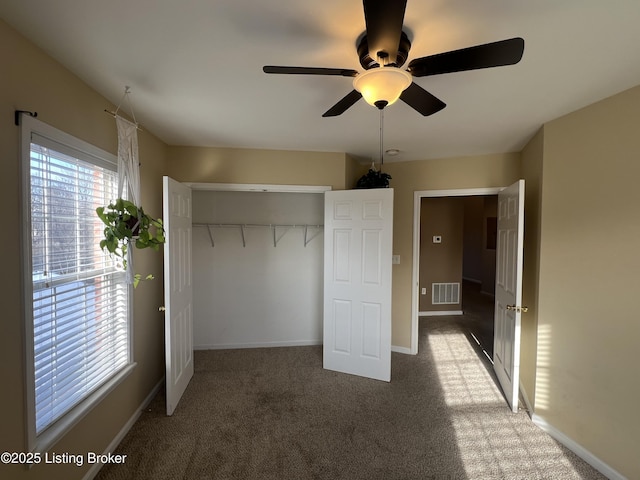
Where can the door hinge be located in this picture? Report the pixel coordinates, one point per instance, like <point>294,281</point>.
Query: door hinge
<point>517,308</point>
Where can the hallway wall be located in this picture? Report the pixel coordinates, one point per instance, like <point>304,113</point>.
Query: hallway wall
<point>440,262</point>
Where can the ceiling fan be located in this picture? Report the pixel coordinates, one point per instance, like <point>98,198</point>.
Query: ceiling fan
<point>384,48</point>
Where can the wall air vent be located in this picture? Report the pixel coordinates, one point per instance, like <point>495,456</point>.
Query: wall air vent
<point>445,293</point>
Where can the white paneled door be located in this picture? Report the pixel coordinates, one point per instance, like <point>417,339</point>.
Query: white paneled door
<point>177,290</point>
<point>508,307</point>
<point>358,235</point>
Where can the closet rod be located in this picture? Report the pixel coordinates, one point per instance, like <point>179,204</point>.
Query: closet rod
<point>254,225</point>
<point>272,226</point>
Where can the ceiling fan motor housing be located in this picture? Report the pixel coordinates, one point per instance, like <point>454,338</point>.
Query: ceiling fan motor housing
<point>367,62</point>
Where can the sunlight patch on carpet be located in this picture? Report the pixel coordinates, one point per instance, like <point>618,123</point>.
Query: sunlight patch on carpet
<point>463,378</point>
<point>493,443</point>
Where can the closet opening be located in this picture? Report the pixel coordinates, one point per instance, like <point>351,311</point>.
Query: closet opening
<point>257,259</point>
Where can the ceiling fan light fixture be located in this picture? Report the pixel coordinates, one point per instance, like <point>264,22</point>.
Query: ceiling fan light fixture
<point>383,85</point>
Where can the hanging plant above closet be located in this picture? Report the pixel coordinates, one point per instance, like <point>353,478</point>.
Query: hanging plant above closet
<point>126,224</point>
<point>374,179</point>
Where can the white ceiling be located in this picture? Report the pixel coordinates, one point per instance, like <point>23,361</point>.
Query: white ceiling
<point>195,68</point>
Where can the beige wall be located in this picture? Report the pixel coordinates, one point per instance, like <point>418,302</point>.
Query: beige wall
<point>440,262</point>
<point>532,157</point>
<point>587,365</point>
<point>354,170</point>
<point>243,165</point>
<point>482,171</point>
<point>33,81</point>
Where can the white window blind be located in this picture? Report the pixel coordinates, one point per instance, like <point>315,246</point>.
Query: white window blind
<point>80,300</point>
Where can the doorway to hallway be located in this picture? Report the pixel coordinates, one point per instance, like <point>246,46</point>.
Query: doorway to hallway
<point>469,265</point>
<point>508,276</point>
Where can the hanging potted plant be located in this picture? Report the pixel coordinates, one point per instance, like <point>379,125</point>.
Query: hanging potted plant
<point>127,224</point>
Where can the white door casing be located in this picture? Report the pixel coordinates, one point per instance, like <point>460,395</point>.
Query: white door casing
<point>177,290</point>
<point>508,308</point>
<point>418,196</point>
<point>358,240</point>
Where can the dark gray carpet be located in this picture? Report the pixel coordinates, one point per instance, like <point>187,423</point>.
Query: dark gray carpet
<point>276,414</point>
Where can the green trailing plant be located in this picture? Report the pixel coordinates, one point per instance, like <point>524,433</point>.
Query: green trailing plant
<point>127,224</point>
<point>374,179</point>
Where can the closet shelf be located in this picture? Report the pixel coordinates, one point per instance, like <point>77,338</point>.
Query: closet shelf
<point>273,227</point>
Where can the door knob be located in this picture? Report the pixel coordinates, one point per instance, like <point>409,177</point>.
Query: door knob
<point>161,308</point>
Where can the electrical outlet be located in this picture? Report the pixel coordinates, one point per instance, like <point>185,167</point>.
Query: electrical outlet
<point>423,291</point>
<point>395,259</point>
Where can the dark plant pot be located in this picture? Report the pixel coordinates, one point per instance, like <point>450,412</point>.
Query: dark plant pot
<point>133,223</point>
<point>374,179</point>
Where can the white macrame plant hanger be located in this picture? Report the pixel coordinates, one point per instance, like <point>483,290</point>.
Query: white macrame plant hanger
<point>128,166</point>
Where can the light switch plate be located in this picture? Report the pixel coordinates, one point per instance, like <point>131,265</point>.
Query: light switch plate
<point>437,239</point>
<point>395,259</point>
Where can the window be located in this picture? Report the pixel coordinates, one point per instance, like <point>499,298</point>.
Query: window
<point>76,299</point>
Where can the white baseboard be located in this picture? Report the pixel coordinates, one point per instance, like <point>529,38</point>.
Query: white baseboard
<point>394,348</point>
<point>405,350</point>
<point>578,449</point>
<point>441,313</point>
<point>305,343</point>
<point>93,471</point>
<point>233,346</point>
<point>525,399</point>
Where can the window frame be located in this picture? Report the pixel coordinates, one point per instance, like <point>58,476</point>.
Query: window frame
<point>50,435</point>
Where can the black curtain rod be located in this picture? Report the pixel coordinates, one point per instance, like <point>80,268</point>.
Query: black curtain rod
<point>18,112</point>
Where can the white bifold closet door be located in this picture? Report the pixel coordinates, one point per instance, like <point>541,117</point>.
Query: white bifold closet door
<point>178,290</point>
<point>358,238</point>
